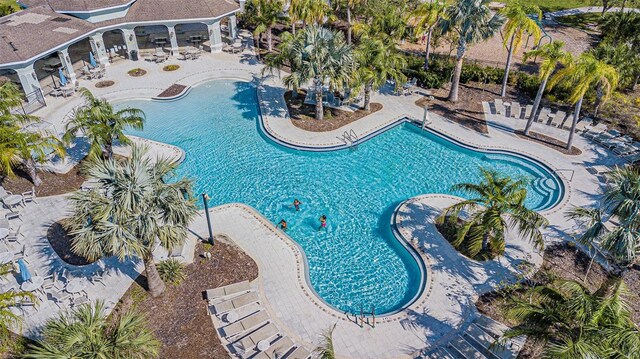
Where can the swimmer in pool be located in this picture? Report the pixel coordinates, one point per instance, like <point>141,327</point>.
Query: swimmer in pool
<point>297,204</point>
<point>283,224</point>
<point>323,222</point>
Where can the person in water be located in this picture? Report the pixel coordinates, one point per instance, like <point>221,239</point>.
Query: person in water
<point>297,204</point>
<point>323,222</point>
<point>283,224</point>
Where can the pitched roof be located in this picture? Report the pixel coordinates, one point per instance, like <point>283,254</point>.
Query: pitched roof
<point>153,10</point>
<point>75,5</point>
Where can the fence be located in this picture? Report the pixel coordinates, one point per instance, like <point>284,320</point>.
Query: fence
<point>33,102</point>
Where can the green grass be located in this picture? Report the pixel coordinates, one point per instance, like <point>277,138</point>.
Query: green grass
<point>580,21</point>
<point>12,3</point>
<point>556,5</point>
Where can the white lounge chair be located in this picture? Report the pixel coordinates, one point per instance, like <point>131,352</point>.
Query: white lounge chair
<point>595,131</point>
<point>499,105</point>
<point>543,116</point>
<point>227,290</point>
<point>278,349</point>
<point>249,342</point>
<point>299,353</point>
<point>515,110</point>
<point>558,119</point>
<point>599,170</point>
<point>235,302</point>
<point>626,149</point>
<point>527,111</point>
<point>245,324</point>
<point>607,136</point>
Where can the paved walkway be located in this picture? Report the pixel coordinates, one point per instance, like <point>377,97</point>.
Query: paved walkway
<point>586,9</point>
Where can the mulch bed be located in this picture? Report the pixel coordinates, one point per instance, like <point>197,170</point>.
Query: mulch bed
<point>61,243</point>
<point>303,115</point>
<point>562,260</point>
<point>179,317</point>
<point>550,142</point>
<point>173,90</point>
<point>52,183</point>
<point>104,83</point>
<point>169,68</point>
<point>137,72</point>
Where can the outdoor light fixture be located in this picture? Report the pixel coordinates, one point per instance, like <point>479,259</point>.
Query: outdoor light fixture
<point>205,199</point>
<point>131,37</point>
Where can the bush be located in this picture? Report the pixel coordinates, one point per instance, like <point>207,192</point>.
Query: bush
<point>527,84</point>
<point>171,67</point>
<point>476,73</point>
<point>171,271</point>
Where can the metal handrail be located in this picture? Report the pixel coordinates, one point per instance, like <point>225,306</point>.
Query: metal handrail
<point>566,170</point>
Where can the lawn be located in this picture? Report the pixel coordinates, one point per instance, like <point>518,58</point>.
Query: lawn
<point>555,5</point>
<point>11,3</point>
<point>584,22</point>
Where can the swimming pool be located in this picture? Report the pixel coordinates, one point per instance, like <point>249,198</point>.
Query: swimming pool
<point>356,261</point>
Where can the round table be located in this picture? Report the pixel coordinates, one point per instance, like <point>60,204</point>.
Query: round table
<point>160,54</point>
<point>5,257</point>
<point>12,200</point>
<point>231,317</point>
<point>192,51</point>
<point>4,232</point>
<point>75,286</point>
<point>32,284</point>
<point>263,345</point>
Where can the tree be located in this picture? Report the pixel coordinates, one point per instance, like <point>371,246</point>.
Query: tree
<point>87,332</point>
<point>552,55</point>
<point>318,10</point>
<point>7,9</point>
<point>18,147</point>
<point>623,58</point>
<point>377,62</point>
<point>585,73</point>
<point>315,54</point>
<point>593,218</point>
<point>325,350</point>
<point>574,323</point>
<point>496,204</point>
<point>8,300</point>
<point>297,11</point>
<point>473,22</point>
<point>101,124</point>
<point>10,99</point>
<point>139,206</point>
<point>349,5</point>
<point>517,26</point>
<point>428,16</point>
<point>263,15</point>
<point>386,20</point>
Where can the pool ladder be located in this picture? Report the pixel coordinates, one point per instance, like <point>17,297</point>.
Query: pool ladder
<point>350,139</point>
<point>368,318</point>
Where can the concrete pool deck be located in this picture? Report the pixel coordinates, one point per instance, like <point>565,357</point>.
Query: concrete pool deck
<point>448,301</point>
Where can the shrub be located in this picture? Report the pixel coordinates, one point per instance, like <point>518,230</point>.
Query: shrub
<point>171,271</point>
<point>171,67</point>
<point>527,84</point>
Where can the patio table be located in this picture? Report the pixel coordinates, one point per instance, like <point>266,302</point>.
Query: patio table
<point>33,284</point>
<point>192,51</point>
<point>4,232</point>
<point>12,201</point>
<point>263,345</point>
<point>6,257</point>
<point>75,286</point>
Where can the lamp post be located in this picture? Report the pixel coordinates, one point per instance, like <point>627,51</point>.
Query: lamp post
<point>426,111</point>
<point>205,198</point>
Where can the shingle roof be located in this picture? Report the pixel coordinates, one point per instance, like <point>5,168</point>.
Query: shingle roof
<point>75,5</point>
<point>36,30</point>
<point>151,10</point>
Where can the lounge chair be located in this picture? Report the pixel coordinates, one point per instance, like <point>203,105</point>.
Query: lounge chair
<point>633,158</point>
<point>599,170</point>
<point>515,110</point>
<point>245,324</point>
<point>626,149</point>
<point>299,353</point>
<point>499,105</point>
<point>485,341</point>
<point>595,131</point>
<point>235,302</point>
<point>235,288</point>
<point>460,345</point>
<point>543,116</point>
<point>495,328</point>
<point>441,353</point>
<point>527,111</point>
<point>607,136</point>
<point>558,119</point>
<point>249,342</point>
<point>281,346</point>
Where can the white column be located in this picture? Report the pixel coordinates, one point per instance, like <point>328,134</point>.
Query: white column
<point>242,2</point>
<point>28,79</point>
<point>215,36</point>
<point>130,40</point>
<point>66,63</point>
<point>173,39</point>
<point>99,51</point>
<point>233,27</point>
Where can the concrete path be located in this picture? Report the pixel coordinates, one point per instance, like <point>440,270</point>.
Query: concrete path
<point>584,10</point>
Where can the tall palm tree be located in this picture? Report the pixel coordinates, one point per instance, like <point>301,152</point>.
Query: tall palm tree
<point>325,350</point>
<point>472,21</point>
<point>101,124</point>
<point>140,205</point>
<point>18,147</point>
<point>428,16</point>
<point>595,229</point>
<point>585,73</point>
<point>574,323</point>
<point>377,61</point>
<point>263,15</point>
<point>552,55</point>
<point>10,99</point>
<point>317,13</point>
<point>297,12</point>
<point>517,26</point>
<point>9,299</point>
<point>497,203</point>
<point>315,54</point>
<point>349,5</point>
<point>87,332</point>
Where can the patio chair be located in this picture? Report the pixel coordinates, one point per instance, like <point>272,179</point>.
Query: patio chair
<point>51,282</point>
<point>14,236</point>
<point>99,277</point>
<point>299,353</point>
<point>236,302</point>
<point>604,137</point>
<point>62,299</point>
<point>279,348</point>
<point>56,92</point>
<point>78,301</point>
<point>558,119</point>
<point>13,215</point>
<point>245,324</point>
<point>516,110</point>
<point>22,253</point>
<point>250,341</point>
<point>595,131</point>
<point>498,104</point>
<point>527,111</point>
<point>4,193</point>
<point>29,196</point>
<point>227,290</point>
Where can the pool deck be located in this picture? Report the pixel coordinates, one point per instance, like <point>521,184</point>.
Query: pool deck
<point>454,282</point>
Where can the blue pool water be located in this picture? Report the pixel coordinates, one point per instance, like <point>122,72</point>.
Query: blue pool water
<point>356,261</point>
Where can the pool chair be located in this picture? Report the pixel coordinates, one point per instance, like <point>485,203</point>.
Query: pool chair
<point>515,110</point>
<point>474,334</point>
<point>247,344</point>
<point>527,111</point>
<point>595,131</point>
<point>299,353</point>
<point>227,290</point>
<point>235,302</point>
<point>499,105</point>
<point>277,350</point>
<point>626,149</point>
<point>558,119</point>
<point>245,324</point>
<point>599,170</point>
<point>605,137</point>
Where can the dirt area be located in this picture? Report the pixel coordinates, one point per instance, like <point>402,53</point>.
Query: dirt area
<point>137,72</point>
<point>61,243</point>
<point>179,318</point>
<point>105,83</point>
<point>303,116</point>
<point>550,142</point>
<point>561,261</point>
<point>172,90</point>
<point>52,183</point>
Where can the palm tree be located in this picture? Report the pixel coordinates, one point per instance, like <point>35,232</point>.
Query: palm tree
<point>317,12</point>
<point>101,124</point>
<point>264,14</point>
<point>87,332</point>
<point>497,203</point>
<point>140,205</point>
<point>574,323</point>
<point>9,299</point>
<point>315,54</point>
<point>377,61</point>
<point>593,218</point>
<point>297,11</point>
<point>325,350</point>
<point>11,98</point>
<point>552,55</point>
<point>583,74</point>
<point>349,5</point>
<point>517,26</point>
<point>473,22</point>
<point>26,148</point>
<point>428,16</point>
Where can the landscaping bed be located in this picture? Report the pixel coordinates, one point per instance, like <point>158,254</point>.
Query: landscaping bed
<point>137,72</point>
<point>104,83</point>
<point>169,68</point>
<point>550,142</point>
<point>172,91</point>
<point>52,183</point>
<point>179,317</point>
<point>303,116</point>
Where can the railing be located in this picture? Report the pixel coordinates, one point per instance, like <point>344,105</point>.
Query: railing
<point>567,170</point>
<point>33,102</point>
<point>350,138</point>
<point>368,318</point>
